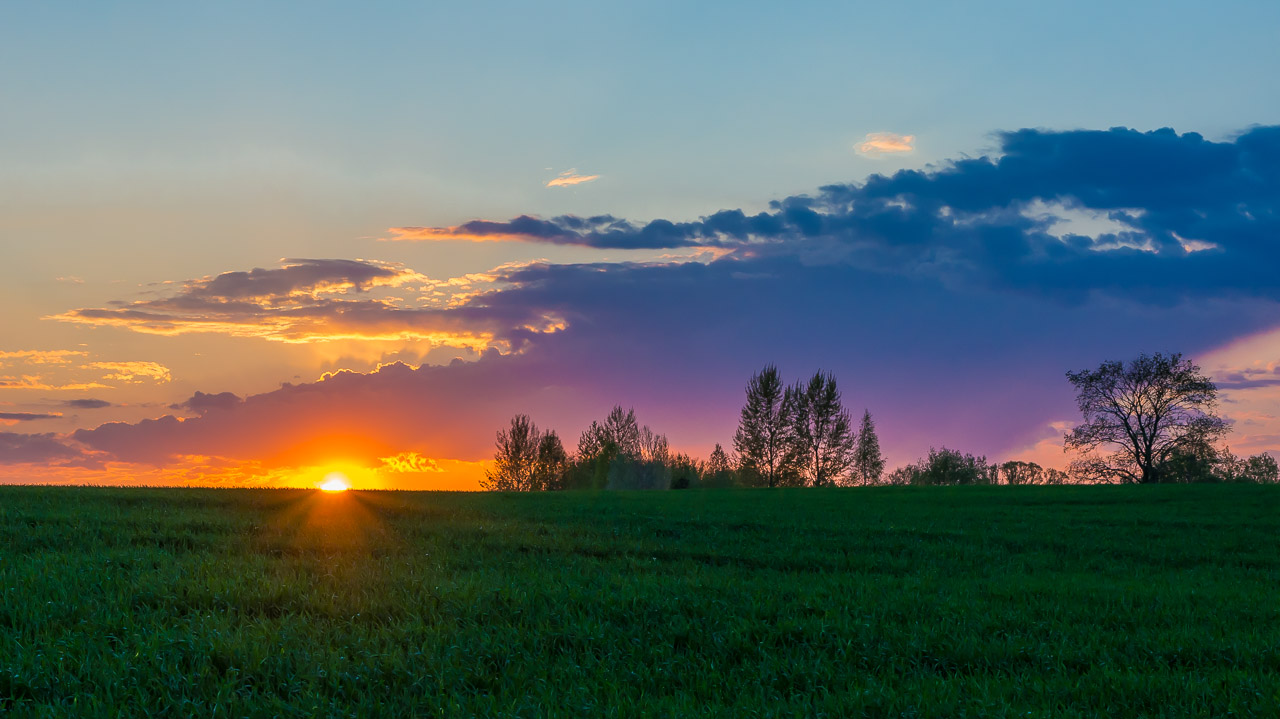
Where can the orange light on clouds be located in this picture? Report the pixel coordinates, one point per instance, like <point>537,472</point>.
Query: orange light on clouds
<point>569,178</point>
<point>886,143</point>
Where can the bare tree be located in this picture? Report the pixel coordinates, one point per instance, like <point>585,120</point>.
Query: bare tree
<point>653,446</point>
<point>1147,411</point>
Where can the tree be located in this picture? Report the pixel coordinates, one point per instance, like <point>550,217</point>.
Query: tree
<point>949,466</point>
<point>868,463</point>
<point>718,471</point>
<point>1016,472</point>
<point>686,472</point>
<point>823,430</point>
<point>602,444</point>
<point>653,446</point>
<point>1260,468</point>
<point>1152,409</point>
<point>515,464</point>
<point>765,440</point>
<point>552,465</point>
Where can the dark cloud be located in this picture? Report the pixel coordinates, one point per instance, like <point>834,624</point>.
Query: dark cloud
<point>310,304</point>
<point>1249,379</point>
<point>967,221</point>
<point>604,231</point>
<point>443,411</point>
<point>86,403</point>
<point>296,276</point>
<point>201,402</point>
<point>18,448</point>
<point>26,416</point>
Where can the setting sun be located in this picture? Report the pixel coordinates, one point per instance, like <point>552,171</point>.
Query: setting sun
<point>335,482</point>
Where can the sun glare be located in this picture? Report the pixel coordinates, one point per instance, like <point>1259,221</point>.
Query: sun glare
<point>335,482</point>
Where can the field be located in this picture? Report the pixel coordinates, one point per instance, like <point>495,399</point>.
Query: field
<point>985,601</point>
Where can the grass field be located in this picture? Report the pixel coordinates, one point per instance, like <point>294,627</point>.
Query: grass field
<point>1002,601</point>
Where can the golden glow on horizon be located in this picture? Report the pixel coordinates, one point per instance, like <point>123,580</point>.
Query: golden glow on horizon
<point>335,482</point>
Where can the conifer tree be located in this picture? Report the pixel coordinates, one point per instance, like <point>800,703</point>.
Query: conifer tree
<point>868,463</point>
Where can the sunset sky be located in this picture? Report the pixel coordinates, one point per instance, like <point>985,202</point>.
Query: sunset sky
<point>246,243</point>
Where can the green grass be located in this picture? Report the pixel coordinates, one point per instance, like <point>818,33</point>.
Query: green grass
<point>1036,601</point>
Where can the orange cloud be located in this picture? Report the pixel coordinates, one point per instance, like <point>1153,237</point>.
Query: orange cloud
<point>133,371</point>
<point>456,232</point>
<point>42,356</point>
<point>410,462</point>
<point>310,301</point>
<point>886,143</point>
<point>569,178</point>
<point>32,381</point>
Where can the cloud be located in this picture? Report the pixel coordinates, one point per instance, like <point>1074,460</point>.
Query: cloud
<point>1199,218</point>
<point>87,403</point>
<point>38,382</point>
<point>133,372</point>
<point>41,356</point>
<point>298,279</point>
<point>46,448</point>
<point>405,462</point>
<point>602,231</point>
<point>569,178</point>
<point>310,301</point>
<point>886,143</point>
<point>25,416</point>
<point>200,403</point>
<point>371,418</point>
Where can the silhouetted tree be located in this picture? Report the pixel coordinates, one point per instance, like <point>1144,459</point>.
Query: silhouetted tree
<point>868,463</point>
<point>517,464</point>
<point>1197,462</point>
<point>901,476</point>
<point>1055,476</point>
<point>1015,472</point>
<point>552,466</point>
<point>719,469</point>
<point>1152,409</point>
<point>653,446</point>
<point>948,466</point>
<point>601,444</point>
<point>823,431</point>
<point>1260,468</point>
<point>765,440</point>
<point>686,472</point>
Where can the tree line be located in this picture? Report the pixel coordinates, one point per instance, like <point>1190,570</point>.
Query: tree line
<point>1151,420</point>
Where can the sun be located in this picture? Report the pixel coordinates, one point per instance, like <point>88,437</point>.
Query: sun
<point>335,482</point>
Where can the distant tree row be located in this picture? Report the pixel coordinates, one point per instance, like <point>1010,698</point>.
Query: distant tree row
<point>1151,420</point>
<point>787,437</point>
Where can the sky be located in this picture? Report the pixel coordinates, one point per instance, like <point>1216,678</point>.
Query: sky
<point>255,244</point>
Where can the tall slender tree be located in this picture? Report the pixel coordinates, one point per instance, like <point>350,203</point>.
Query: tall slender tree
<point>765,440</point>
<point>823,431</point>
<point>868,463</point>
